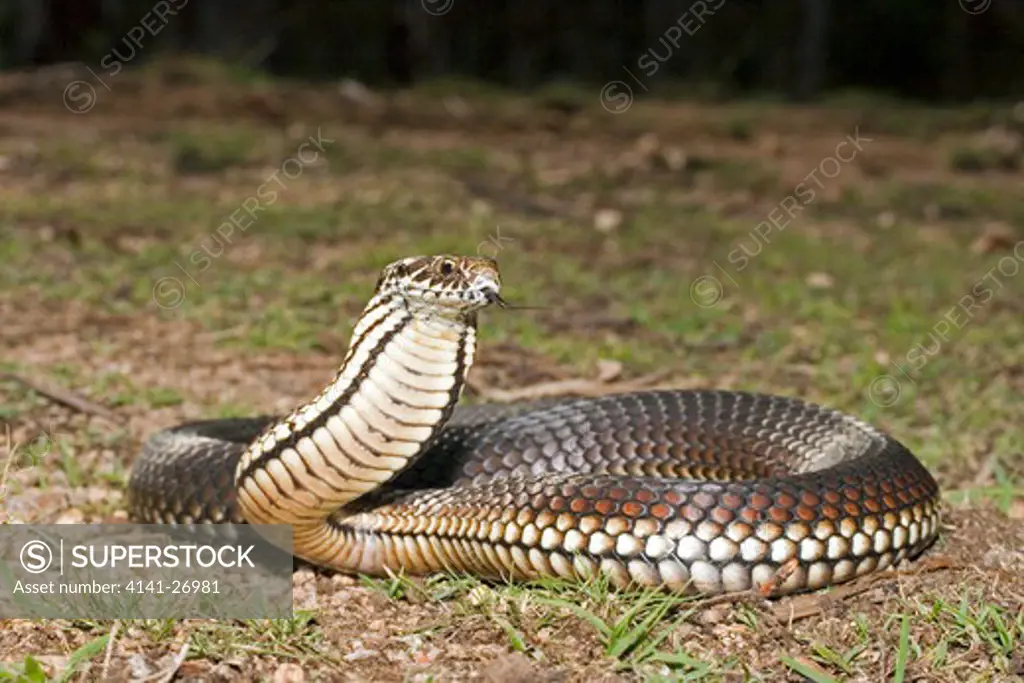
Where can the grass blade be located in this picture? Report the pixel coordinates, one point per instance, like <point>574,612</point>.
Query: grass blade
<point>903,653</point>
<point>620,646</point>
<point>807,671</point>
<point>589,617</point>
<point>93,648</point>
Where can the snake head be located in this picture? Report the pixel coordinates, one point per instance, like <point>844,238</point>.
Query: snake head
<point>443,284</point>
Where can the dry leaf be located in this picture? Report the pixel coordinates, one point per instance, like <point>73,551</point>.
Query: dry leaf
<point>1017,664</point>
<point>606,220</point>
<point>607,370</point>
<point>812,666</point>
<point>357,93</point>
<point>674,158</point>
<point>513,668</point>
<point>647,144</point>
<point>457,107</point>
<point>289,672</point>
<point>72,516</point>
<point>820,281</point>
<point>995,237</point>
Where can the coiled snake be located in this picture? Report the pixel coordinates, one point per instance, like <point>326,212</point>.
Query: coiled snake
<point>697,491</point>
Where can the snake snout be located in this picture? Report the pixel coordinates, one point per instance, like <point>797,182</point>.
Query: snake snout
<point>493,297</point>
<point>489,288</point>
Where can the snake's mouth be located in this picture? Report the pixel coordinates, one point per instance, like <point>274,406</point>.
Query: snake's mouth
<point>495,299</point>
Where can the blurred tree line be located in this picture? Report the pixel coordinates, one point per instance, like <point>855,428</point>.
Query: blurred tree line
<point>939,50</point>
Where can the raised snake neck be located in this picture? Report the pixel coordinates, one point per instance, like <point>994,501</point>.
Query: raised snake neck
<point>705,491</point>
<point>397,387</point>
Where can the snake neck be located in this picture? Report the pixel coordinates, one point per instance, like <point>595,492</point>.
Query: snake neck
<point>397,386</point>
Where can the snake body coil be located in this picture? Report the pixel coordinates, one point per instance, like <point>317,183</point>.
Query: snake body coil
<point>698,491</point>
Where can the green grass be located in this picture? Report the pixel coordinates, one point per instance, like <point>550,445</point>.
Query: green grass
<point>638,632</point>
<point>30,670</point>
<point>297,639</point>
<point>634,630</point>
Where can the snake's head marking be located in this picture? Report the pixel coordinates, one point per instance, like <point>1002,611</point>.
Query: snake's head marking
<point>443,284</point>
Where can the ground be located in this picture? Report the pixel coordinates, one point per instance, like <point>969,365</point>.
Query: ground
<point>861,253</point>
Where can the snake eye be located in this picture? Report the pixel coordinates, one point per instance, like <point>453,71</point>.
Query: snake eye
<point>447,267</point>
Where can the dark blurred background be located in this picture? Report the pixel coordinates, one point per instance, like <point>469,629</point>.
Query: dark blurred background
<point>932,50</point>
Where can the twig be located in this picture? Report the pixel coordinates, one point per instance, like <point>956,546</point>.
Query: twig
<point>808,605</point>
<point>12,448</point>
<point>984,475</point>
<point>167,674</point>
<point>805,606</point>
<point>110,650</point>
<point>736,597</point>
<point>176,664</point>
<point>65,397</point>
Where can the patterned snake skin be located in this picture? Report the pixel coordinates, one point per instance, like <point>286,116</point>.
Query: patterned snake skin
<point>695,491</point>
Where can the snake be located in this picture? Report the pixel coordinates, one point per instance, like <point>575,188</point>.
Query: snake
<point>698,491</point>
